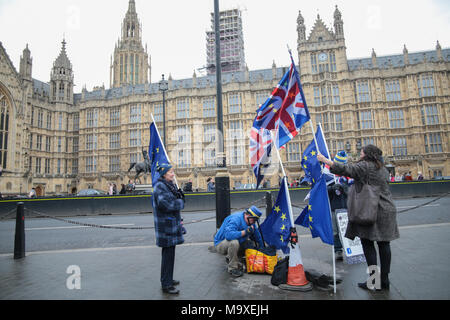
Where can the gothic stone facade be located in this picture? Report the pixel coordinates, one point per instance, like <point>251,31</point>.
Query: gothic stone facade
<point>60,142</point>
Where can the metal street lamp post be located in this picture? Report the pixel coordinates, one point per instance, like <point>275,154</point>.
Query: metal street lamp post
<point>163,87</point>
<point>223,205</point>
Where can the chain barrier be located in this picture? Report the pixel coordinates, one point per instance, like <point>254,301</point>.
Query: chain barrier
<point>91,225</point>
<point>401,211</point>
<point>8,214</point>
<point>426,203</point>
<point>259,201</point>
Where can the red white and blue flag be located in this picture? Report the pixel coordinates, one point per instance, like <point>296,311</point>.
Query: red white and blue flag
<point>260,147</point>
<point>285,111</point>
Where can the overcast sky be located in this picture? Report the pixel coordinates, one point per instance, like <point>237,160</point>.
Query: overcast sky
<point>175,31</point>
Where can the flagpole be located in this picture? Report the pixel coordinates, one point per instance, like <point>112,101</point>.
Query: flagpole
<point>291,216</point>
<point>331,214</point>
<point>164,147</point>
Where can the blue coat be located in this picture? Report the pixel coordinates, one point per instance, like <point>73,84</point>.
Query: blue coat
<point>231,230</point>
<point>167,216</point>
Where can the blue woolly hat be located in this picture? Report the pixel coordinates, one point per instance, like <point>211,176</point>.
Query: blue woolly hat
<point>341,157</point>
<point>163,168</point>
<point>254,212</point>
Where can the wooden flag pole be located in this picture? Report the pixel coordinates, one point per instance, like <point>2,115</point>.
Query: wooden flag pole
<point>164,147</point>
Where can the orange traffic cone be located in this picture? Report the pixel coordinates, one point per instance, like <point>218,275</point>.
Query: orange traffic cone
<point>296,280</point>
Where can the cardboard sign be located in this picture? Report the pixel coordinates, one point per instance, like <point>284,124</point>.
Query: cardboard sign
<point>352,248</point>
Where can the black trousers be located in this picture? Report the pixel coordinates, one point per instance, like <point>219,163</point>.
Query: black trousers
<point>167,266</point>
<point>370,253</point>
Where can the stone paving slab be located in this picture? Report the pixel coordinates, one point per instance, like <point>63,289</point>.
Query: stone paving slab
<point>420,260</point>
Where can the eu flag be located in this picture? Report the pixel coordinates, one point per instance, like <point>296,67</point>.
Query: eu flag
<point>310,164</point>
<point>276,227</point>
<point>317,215</point>
<point>156,153</point>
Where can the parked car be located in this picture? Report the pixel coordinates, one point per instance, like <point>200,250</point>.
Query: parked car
<point>246,186</point>
<point>90,192</point>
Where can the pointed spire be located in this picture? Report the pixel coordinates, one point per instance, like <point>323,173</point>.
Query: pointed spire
<point>338,23</point>
<point>301,29</point>
<point>63,60</point>
<point>439,50</point>
<point>300,19</point>
<point>337,14</point>
<point>274,70</point>
<point>132,6</point>
<point>374,58</point>
<point>26,63</point>
<point>405,55</point>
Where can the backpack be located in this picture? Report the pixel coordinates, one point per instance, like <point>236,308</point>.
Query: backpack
<point>279,275</point>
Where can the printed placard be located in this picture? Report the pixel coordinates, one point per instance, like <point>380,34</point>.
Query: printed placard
<point>353,251</point>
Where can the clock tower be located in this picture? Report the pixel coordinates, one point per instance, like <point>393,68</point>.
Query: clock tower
<point>323,51</point>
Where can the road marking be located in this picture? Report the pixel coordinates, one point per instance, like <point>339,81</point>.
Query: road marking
<point>78,227</point>
<point>428,205</point>
<point>192,244</point>
<point>443,224</point>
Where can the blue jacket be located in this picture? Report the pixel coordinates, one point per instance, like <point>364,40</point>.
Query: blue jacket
<point>231,230</point>
<point>167,207</point>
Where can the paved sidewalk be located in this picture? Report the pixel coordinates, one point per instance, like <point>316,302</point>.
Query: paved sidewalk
<point>420,260</point>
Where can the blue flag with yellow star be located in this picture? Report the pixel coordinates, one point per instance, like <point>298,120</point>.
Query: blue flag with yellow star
<point>310,164</point>
<point>156,153</point>
<point>276,227</point>
<point>317,215</point>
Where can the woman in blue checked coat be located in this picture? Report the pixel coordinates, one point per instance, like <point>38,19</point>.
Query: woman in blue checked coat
<point>167,202</point>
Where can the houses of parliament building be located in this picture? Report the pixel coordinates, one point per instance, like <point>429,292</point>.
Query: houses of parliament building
<point>59,142</point>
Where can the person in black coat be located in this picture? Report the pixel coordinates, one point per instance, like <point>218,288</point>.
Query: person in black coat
<point>167,202</point>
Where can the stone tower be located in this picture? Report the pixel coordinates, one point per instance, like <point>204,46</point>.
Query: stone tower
<point>301,29</point>
<point>324,49</point>
<point>338,24</point>
<point>26,64</point>
<point>61,78</point>
<point>131,63</point>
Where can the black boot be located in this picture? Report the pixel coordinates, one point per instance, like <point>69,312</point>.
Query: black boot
<point>385,281</point>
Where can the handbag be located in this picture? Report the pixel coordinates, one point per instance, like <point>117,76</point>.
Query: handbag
<point>280,272</point>
<point>363,206</point>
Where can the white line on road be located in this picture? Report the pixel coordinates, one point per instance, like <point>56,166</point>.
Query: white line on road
<point>78,227</point>
<point>428,205</point>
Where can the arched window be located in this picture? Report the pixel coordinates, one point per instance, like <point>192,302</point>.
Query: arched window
<point>5,105</point>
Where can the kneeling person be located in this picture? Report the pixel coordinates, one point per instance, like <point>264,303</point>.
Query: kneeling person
<point>234,232</point>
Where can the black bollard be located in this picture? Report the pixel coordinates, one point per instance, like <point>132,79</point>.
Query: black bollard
<point>223,205</point>
<point>269,204</point>
<point>19,240</point>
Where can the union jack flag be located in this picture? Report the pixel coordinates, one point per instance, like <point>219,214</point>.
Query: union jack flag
<point>284,111</point>
<point>260,147</point>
